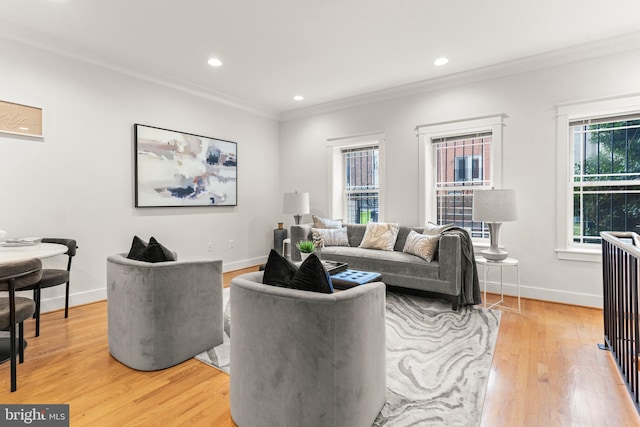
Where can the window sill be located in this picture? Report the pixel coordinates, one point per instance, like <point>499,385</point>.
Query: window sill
<point>583,255</point>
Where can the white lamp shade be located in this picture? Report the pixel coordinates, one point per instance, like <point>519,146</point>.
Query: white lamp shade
<point>295,203</point>
<point>494,205</point>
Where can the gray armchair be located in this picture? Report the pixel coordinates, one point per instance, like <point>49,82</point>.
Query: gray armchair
<point>301,358</point>
<point>161,314</point>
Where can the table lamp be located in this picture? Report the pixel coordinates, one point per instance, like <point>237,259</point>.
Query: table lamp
<point>494,207</point>
<point>296,204</point>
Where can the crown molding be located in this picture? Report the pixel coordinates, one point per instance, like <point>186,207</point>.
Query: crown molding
<point>601,48</point>
<point>18,34</point>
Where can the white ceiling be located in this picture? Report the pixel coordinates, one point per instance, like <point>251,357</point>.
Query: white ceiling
<point>325,50</point>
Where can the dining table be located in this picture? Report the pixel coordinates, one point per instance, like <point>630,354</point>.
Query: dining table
<point>12,253</point>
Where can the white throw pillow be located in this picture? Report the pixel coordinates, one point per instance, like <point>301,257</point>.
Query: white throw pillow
<point>380,235</point>
<point>326,222</point>
<point>422,245</point>
<point>432,229</point>
<point>330,236</point>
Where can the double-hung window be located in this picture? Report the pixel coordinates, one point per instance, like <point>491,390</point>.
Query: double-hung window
<point>599,165</point>
<point>356,172</point>
<point>457,158</point>
<point>606,176</point>
<point>361,184</point>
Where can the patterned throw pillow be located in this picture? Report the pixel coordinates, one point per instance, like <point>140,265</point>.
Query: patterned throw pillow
<point>422,245</point>
<point>330,236</point>
<point>432,229</point>
<point>380,235</point>
<point>325,222</point>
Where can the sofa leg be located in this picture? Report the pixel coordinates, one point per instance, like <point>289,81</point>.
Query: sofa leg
<point>454,303</point>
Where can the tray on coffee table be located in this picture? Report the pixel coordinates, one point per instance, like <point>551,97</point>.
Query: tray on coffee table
<point>334,267</point>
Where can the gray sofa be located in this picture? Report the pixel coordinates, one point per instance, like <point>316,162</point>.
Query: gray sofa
<point>302,358</point>
<point>443,275</point>
<point>161,314</point>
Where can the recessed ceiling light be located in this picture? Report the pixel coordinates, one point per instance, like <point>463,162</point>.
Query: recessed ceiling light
<point>298,98</point>
<point>441,61</point>
<point>214,62</point>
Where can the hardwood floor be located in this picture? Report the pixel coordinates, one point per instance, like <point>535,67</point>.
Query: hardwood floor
<point>547,371</point>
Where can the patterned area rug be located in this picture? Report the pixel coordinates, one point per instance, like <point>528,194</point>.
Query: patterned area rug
<point>438,361</point>
<point>218,356</point>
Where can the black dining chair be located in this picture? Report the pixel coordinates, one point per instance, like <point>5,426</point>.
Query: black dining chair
<point>15,310</point>
<point>54,277</point>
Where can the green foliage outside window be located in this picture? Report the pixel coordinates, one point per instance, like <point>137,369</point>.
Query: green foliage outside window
<point>607,178</point>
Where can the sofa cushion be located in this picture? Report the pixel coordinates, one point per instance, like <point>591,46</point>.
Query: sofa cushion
<point>380,235</point>
<point>312,276</point>
<point>422,245</point>
<point>391,262</point>
<point>278,271</point>
<point>325,222</point>
<point>330,236</point>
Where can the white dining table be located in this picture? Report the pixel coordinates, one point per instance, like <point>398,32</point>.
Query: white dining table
<point>21,253</point>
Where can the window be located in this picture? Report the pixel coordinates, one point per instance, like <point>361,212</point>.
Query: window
<point>606,165</point>
<point>361,184</point>
<point>356,175</point>
<point>457,158</point>
<point>599,162</point>
<point>460,163</point>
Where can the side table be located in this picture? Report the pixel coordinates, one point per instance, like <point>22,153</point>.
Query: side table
<point>279,236</point>
<point>508,262</point>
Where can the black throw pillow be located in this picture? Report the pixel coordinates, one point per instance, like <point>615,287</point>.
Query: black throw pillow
<point>149,252</point>
<point>168,254</point>
<point>312,276</point>
<point>278,271</point>
<point>137,248</point>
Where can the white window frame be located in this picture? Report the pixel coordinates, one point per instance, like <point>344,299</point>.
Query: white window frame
<point>566,248</point>
<point>426,158</point>
<point>336,169</point>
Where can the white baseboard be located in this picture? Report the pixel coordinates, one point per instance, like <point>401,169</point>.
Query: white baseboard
<point>78,298</point>
<point>239,265</point>
<point>551,295</point>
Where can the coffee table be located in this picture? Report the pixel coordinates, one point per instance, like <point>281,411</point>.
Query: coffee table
<point>350,278</point>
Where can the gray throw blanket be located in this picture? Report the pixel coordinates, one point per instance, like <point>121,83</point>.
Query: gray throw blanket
<point>470,292</point>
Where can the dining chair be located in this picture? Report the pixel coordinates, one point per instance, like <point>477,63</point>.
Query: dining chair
<point>54,277</point>
<point>15,310</point>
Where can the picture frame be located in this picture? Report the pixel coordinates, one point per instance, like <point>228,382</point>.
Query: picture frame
<point>174,168</point>
<point>18,119</point>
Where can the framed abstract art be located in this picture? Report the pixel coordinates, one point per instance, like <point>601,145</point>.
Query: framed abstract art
<point>175,168</point>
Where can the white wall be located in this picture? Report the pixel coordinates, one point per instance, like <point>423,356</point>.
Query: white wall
<point>529,157</point>
<point>78,181</point>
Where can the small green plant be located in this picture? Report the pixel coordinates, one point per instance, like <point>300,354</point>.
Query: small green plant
<point>305,246</point>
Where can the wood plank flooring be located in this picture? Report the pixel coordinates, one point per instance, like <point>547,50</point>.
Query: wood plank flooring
<point>547,371</point>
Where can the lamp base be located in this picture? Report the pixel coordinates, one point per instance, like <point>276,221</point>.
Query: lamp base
<point>494,255</point>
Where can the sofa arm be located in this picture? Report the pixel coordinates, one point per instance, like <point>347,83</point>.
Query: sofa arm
<point>298,233</point>
<point>450,261</point>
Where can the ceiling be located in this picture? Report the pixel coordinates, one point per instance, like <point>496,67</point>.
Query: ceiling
<point>325,50</point>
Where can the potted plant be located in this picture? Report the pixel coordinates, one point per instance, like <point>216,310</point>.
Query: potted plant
<point>306,248</point>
